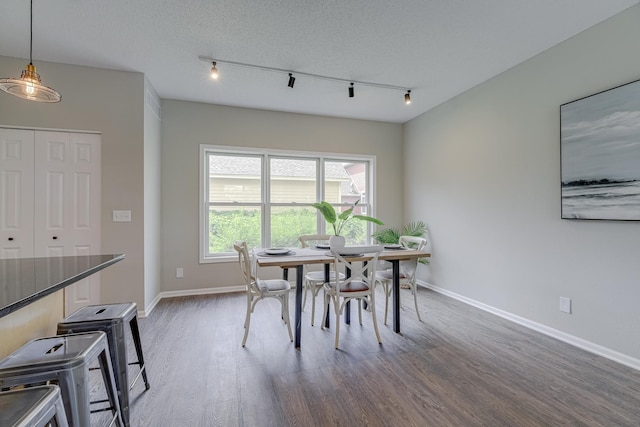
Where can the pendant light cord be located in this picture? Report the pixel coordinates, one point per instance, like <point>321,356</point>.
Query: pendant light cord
<point>31,35</point>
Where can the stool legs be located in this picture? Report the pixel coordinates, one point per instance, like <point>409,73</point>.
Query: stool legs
<point>110,384</point>
<point>135,333</point>
<point>112,319</point>
<point>65,360</point>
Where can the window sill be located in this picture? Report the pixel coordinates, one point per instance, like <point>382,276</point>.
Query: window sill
<point>219,259</point>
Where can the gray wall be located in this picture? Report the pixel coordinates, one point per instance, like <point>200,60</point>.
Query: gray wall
<point>186,125</point>
<point>483,170</point>
<point>110,102</point>
<point>152,194</point>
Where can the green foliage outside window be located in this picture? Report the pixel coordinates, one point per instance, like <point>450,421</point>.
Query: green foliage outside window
<point>286,226</point>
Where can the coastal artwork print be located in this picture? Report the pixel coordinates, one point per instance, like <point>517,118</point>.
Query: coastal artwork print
<point>600,155</point>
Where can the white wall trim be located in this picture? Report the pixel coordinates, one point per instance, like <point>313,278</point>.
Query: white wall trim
<point>554,333</point>
<point>189,292</point>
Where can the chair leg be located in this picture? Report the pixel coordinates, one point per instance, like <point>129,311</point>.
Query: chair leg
<point>314,293</point>
<point>324,312</point>
<point>304,297</point>
<point>287,319</point>
<point>385,288</point>
<point>336,305</point>
<point>414,289</point>
<point>360,310</point>
<point>375,320</point>
<point>247,320</point>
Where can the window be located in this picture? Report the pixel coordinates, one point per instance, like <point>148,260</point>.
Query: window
<point>266,197</point>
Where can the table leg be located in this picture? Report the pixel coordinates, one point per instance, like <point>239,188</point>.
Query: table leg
<point>347,306</point>
<point>327,277</point>
<point>396,295</point>
<point>298,317</point>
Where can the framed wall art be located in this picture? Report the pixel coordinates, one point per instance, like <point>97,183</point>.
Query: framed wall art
<point>600,155</point>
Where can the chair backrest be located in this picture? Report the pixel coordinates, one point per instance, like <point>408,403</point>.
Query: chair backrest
<point>412,242</point>
<point>306,238</point>
<point>350,258</point>
<point>409,267</point>
<point>247,263</point>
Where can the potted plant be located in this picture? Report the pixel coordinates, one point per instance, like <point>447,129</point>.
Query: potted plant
<point>338,221</point>
<point>392,235</point>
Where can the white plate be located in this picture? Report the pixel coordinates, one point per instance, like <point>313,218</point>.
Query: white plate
<point>323,246</point>
<point>393,246</point>
<point>277,251</point>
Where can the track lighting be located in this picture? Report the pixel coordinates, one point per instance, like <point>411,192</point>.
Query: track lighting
<point>407,97</point>
<point>292,79</point>
<point>29,86</point>
<point>214,71</point>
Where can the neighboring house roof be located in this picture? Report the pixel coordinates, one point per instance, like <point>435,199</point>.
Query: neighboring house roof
<point>291,168</point>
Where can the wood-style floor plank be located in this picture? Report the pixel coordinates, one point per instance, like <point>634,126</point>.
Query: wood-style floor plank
<point>460,366</point>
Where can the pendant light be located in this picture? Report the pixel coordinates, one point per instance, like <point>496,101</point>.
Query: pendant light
<point>29,85</point>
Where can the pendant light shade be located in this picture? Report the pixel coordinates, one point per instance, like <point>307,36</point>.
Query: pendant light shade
<point>29,86</point>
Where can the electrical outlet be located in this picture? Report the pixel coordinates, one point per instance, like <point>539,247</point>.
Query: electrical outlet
<point>565,305</point>
<point>121,216</point>
<point>179,273</point>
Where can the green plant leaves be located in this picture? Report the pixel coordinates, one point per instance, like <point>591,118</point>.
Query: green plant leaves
<point>339,221</point>
<point>327,211</point>
<point>392,235</point>
<point>369,218</point>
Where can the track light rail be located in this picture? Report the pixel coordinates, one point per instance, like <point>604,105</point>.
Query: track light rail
<point>301,73</point>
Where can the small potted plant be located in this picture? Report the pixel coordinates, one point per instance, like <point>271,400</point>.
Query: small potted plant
<point>392,235</point>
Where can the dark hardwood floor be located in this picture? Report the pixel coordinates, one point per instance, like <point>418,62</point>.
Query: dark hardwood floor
<point>459,367</point>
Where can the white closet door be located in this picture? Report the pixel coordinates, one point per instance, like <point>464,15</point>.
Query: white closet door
<point>67,173</point>
<point>16,193</point>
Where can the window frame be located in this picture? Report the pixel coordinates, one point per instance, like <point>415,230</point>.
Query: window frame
<point>265,206</point>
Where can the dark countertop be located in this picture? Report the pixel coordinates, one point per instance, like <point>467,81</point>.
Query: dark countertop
<point>25,280</point>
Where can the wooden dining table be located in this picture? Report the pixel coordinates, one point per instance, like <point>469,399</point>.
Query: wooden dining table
<point>299,257</point>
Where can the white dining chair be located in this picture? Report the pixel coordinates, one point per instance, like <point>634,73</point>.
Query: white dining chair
<point>314,280</point>
<point>407,273</point>
<point>259,289</point>
<point>358,285</point>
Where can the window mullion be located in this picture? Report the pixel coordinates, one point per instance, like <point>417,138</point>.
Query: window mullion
<point>266,201</point>
<point>320,191</point>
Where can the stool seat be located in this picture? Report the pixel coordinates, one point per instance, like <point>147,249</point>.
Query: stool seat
<point>64,360</point>
<point>32,407</point>
<point>42,354</point>
<point>111,319</point>
<point>101,313</point>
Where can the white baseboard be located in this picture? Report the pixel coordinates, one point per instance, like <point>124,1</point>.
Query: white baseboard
<point>188,292</point>
<point>562,336</point>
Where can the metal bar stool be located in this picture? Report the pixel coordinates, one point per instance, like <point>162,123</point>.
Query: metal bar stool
<point>110,318</point>
<point>32,407</point>
<point>65,360</point>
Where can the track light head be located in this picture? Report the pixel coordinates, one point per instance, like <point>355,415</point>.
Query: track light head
<point>292,80</point>
<point>351,94</point>
<point>214,72</point>
<point>407,97</point>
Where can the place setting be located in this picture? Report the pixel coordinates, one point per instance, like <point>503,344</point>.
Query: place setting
<point>276,252</point>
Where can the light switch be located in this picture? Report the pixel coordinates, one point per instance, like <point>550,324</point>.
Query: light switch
<point>121,216</point>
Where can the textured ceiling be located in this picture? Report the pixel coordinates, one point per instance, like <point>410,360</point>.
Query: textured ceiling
<point>438,48</point>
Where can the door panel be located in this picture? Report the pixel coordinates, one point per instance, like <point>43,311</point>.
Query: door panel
<point>69,164</point>
<point>16,193</point>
